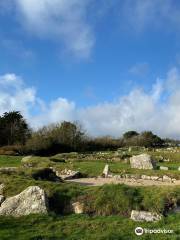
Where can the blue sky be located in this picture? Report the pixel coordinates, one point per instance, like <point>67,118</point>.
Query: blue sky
<point>111,65</point>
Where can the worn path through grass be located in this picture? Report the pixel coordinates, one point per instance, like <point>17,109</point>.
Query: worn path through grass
<point>131,182</point>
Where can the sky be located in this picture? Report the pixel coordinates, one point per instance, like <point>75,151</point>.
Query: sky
<point>111,65</point>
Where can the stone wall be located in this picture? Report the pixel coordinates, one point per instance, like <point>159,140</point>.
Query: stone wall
<point>163,178</point>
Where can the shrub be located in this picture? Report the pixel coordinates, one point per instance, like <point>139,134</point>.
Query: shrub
<point>63,137</point>
<point>112,200</point>
<point>159,200</point>
<point>45,174</point>
<point>11,150</point>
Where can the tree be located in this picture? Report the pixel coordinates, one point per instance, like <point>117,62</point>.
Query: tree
<point>13,128</point>
<point>55,138</point>
<point>130,134</point>
<point>71,134</point>
<point>148,139</point>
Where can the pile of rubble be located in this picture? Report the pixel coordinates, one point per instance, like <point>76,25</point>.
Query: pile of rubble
<point>164,178</point>
<point>67,174</point>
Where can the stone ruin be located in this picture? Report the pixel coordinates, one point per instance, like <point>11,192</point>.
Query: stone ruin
<point>142,161</point>
<point>31,200</point>
<point>145,216</point>
<point>67,174</point>
<point>78,207</point>
<point>106,171</point>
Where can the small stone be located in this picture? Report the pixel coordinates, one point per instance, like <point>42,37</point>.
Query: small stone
<point>166,179</point>
<point>145,216</point>
<point>127,176</point>
<point>134,176</point>
<point>163,168</point>
<point>154,178</point>
<point>78,207</point>
<point>174,180</point>
<point>68,174</point>
<point>110,176</point>
<point>145,177</point>
<point>26,159</point>
<point>106,171</point>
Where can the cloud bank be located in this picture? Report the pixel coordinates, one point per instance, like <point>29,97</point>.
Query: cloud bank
<point>157,110</point>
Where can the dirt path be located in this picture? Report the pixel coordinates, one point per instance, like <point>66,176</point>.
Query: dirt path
<point>131,182</point>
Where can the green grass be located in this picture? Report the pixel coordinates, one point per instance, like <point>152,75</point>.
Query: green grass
<point>95,168</point>
<point>82,227</point>
<point>170,165</point>
<point>105,200</point>
<point>173,157</point>
<point>92,168</point>
<point>10,161</point>
<point>109,206</point>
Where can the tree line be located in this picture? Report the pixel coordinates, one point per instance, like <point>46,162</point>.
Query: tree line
<point>65,137</point>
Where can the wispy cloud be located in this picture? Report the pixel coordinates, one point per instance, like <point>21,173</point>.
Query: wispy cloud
<point>62,21</point>
<point>138,110</point>
<point>140,15</point>
<point>66,22</point>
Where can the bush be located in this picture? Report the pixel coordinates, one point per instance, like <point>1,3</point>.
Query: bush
<point>159,200</point>
<point>64,137</point>
<point>45,174</point>
<point>112,200</point>
<point>145,139</point>
<point>121,199</point>
<point>11,150</point>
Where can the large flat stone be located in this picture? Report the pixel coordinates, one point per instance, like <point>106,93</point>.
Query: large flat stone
<point>142,161</point>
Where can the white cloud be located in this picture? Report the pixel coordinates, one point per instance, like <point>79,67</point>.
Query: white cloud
<point>10,79</point>
<point>56,111</point>
<point>157,13</point>
<point>59,20</point>
<point>139,110</point>
<point>14,95</point>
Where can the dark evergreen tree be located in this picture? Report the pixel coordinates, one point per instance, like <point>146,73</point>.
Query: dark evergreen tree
<point>13,128</point>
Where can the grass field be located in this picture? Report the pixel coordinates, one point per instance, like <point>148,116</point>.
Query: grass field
<point>10,161</point>
<point>82,227</point>
<point>107,208</point>
<point>95,168</point>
